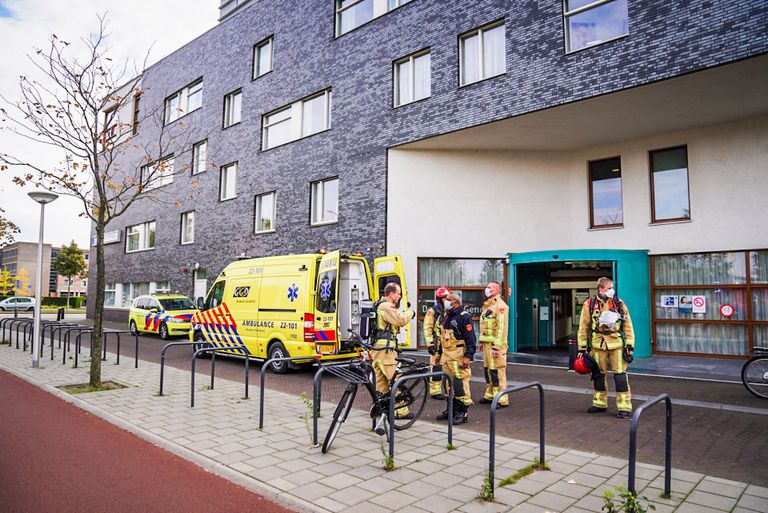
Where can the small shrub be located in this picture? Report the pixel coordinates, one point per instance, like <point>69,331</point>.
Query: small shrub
<point>625,501</point>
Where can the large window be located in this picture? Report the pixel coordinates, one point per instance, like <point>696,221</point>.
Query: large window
<point>325,201</point>
<point>140,237</point>
<point>122,295</point>
<point>199,157</point>
<point>184,101</point>
<point>669,185</point>
<point>157,174</point>
<point>466,276</point>
<point>232,107</point>
<point>592,22</point>
<point>412,78</point>
<point>264,212</point>
<point>350,14</point>
<point>605,209</point>
<point>482,53</point>
<point>710,303</point>
<point>228,182</point>
<point>109,294</point>
<point>300,119</point>
<point>262,58</point>
<point>188,227</point>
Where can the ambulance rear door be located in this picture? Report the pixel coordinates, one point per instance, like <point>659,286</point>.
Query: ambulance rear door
<point>390,269</point>
<point>326,304</point>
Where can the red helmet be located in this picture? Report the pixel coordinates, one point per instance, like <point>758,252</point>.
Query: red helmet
<point>581,365</point>
<point>442,292</point>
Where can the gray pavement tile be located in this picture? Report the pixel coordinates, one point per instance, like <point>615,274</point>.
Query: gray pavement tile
<point>303,477</point>
<point>684,487</point>
<point>393,500</point>
<point>711,500</point>
<point>528,486</point>
<point>569,490</point>
<point>459,492</point>
<point>739,509</point>
<point>553,501</point>
<point>689,507</point>
<point>404,475</point>
<point>242,467</point>
<point>437,505</point>
<point>562,467</point>
<point>572,458</point>
<point>233,457</point>
<point>340,481</point>
<point>420,490</point>
<point>313,491</point>
<point>753,502</point>
<point>467,471</point>
<point>757,491</point>
<point>598,470</point>
<point>444,479</point>
<point>478,506</point>
<point>710,486</point>
<point>685,475</point>
<point>381,485</point>
<point>426,467</point>
<point>330,505</point>
<point>352,496</point>
<point>282,484</point>
<point>527,507</point>
<point>264,461</point>
<point>508,497</point>
<point>590,503</point>
<point>584,479</point>
<point>573,509</point>
<point>545,476</point>
<point>293,465</point>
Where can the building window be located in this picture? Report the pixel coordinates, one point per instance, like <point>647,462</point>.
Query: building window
<point>325,201</point>
<point>228,182</point>
<point>109,294</point>
<point>157,174</point>
<point>412,78</point>
<point>669,185</point>
<point>300,119</point>
<point>483,53</point>
<point>232,104</point>
<point>84,282</point>
<point>350,14</point>
<point>605,209</point>
<point>140,237</point>
<point>199,157</point>
<point>184,101</point>
<point>262,57</point>
<point>188,227</point>
<point>592,22</point>
<point>265,212</point>
<point>136,112</point>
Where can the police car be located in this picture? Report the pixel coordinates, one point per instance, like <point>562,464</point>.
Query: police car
<point>165,314</point>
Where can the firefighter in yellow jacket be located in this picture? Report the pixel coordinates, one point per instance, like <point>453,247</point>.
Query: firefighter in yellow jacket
<point>494,329</point>
<point>605,332</point>
<point>432,333</point>
<point>388,324</point>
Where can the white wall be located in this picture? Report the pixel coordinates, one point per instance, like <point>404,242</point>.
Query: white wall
<point>486,204</point>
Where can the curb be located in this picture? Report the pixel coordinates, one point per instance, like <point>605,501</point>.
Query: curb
<point>219,469</point>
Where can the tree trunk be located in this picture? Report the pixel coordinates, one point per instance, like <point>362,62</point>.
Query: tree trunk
<point>69,287</point>
<point>98,311</point>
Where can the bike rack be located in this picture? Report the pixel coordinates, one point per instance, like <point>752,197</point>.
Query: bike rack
<point>9,322</point>
<point>67,342</point>
<point>78,342</point>
<point>445,376</point>
<point>43,324</point>
<point>5,322</point>
<point>61,329</point>
<point>667,443</point>
<point>117,334</point>
<point>263,378</point>
<point>492,442</point>
<point>162,358</point>
<point>317,387</point>
<point>213,351</point>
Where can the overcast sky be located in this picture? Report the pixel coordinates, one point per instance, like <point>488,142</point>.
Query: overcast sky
<point>134,25</point>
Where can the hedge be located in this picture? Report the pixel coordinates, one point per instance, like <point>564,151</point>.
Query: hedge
<point>74,301</point>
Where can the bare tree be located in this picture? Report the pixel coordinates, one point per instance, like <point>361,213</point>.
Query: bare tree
<point>84,108</point>
<point>8,230</point>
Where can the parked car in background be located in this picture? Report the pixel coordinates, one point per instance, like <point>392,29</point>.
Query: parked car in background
<point>165,314</point>
<point>26,304</point>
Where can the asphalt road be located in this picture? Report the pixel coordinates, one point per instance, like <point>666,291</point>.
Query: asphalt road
<point>727,444</point>
<point>57,458</point>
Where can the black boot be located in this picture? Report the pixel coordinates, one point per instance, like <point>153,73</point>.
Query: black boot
<point>460,417</point>
<point>443,416</point>
<point>595,409</point>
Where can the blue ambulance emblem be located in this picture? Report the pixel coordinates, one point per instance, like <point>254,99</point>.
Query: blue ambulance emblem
<point>293,292</point>
<point>325,290</point>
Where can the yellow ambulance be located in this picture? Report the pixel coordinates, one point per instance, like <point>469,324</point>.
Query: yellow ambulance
<point>295,305</point>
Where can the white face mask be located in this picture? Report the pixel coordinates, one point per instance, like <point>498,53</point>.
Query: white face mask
<point>610,293</point>
<point>488,292</point>
<point>447,304</point>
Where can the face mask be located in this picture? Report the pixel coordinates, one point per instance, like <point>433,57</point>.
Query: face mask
<point>610,293</point>
<point>488,291</point>
<point>446,304</point>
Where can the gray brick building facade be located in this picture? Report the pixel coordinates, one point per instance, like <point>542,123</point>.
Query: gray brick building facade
<point>664,40</point>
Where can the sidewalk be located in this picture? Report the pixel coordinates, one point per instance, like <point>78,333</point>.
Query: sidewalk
<point>221,435</point>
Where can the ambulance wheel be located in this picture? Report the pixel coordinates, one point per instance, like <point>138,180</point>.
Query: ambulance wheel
<point>278,351</point>
<point>163,331</point>
<point>201,343</point>
<point>134,328</point>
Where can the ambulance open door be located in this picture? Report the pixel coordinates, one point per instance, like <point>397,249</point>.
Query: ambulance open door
<point>326,304</point>
<point>390,269</point>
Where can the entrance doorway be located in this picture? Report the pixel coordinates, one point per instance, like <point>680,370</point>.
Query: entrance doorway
<point>200,284</point>
<point>549,299</point>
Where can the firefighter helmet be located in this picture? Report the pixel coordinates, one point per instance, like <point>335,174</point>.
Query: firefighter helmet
<point>441,293</point>
<point>583,364</point>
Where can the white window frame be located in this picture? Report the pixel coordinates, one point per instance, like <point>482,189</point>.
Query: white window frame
<point>317,195</point>
<point>182,98</point>
<point>480,32</point>
<point>296,119</point>
<point>110,287</point>
<point>566,30</point>
<point>380,8</point>
<point>227,168</point>
<point>185,218</point>
<point>410,60</point>
<point>257,211</point>
<point>232,115</point>
<point>269,41</point>
<point>161,172</point>
<point>142,231</point>
<point>199,157</point>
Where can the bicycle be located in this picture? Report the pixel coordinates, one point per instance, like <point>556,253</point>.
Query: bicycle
<point>754,374</point>
<point>412,394</point>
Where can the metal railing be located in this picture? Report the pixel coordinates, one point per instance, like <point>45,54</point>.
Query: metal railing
<point>263,377</point>
<point>317,387</point>
<point>213,351</point>
<point>8,323</point>
<point>66,343</point>
<point>667,442</point>
<point>78,340</point>
<point>492,437</point>
<point>393,392</point>
<point>162,358</point>
<point>117,334</point>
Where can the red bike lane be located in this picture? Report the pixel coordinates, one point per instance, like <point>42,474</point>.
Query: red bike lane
<point>57,458</point>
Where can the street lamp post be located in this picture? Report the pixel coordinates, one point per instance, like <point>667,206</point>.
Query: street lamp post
<point>42,198</point>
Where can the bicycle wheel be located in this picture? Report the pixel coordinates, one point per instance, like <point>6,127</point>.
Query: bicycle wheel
<point>754,375</point>
<point>340,415</point>
<point>411,394</point>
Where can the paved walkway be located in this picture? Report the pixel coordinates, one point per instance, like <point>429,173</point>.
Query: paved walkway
<point>221,435</point>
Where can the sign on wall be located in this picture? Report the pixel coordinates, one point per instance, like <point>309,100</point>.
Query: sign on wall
<point>669,301</point>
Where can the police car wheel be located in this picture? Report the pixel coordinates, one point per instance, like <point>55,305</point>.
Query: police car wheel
<point>278,351</point>
<point>163,331</point>
<point>134,328</point>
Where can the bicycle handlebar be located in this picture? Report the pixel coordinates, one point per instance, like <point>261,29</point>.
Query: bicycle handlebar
<point>358,340</point>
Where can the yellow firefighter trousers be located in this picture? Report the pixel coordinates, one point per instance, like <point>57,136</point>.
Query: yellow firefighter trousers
<point>615,358</point>
<point>495,373</point>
